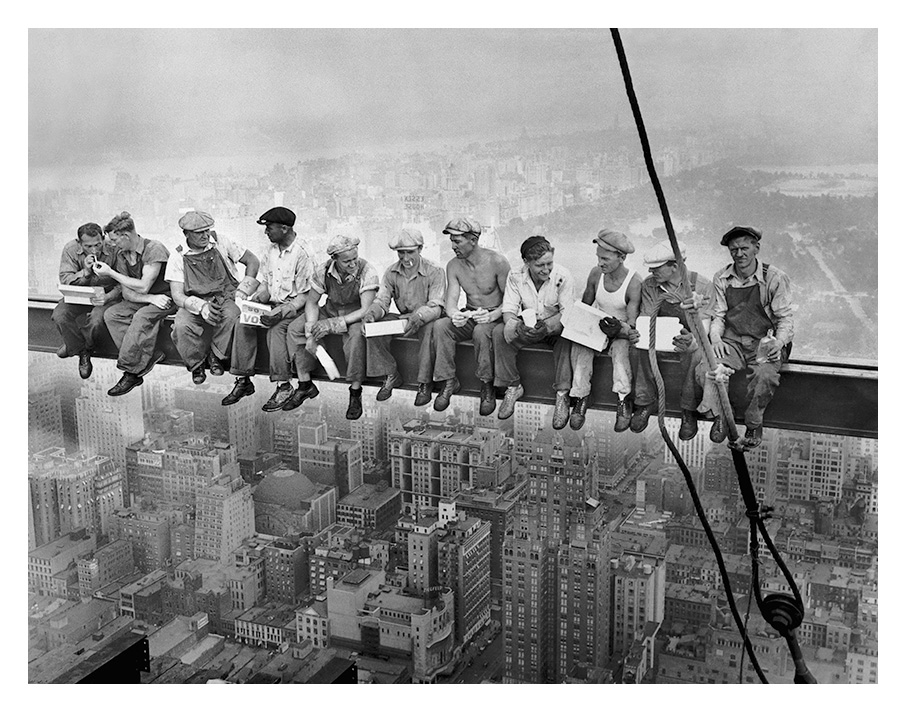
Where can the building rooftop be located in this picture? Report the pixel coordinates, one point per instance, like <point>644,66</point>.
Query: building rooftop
<point>57,547</point>
<point>369,495</point>
<point>279,616</point>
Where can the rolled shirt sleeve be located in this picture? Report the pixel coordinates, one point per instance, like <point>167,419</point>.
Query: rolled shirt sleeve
<point>780,302</point>
<point>512,301</point>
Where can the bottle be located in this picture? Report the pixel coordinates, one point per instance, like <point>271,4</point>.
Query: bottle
<point>764,345</point>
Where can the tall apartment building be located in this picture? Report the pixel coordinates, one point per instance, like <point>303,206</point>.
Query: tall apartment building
<point>637,596</point>
<point>528,420</point>
<point>235,425</point>
<point>422,547</point>
<point>72,492</point>
<point>370,430</point>
<point>45,420</point>
<point>107,564</point>
<point>828,463</point>
<point>434,461</point>
<point>224,517</point>
<point>106,426</point>
<point>286,570</point>
<point>464,567</point>
<point>48,561</point>
<point>149,534</point>
<point>329,460</point>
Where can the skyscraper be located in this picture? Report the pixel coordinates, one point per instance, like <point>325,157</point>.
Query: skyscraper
<point>224,517</point>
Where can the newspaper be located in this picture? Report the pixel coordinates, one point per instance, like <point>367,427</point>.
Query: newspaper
<point>581,326</point>
<point>666,328</point>
<point>251,312</point>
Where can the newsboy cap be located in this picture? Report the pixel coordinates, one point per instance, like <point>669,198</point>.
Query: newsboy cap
<point>195,221</point>
<point>663,253</point>
<point>406,238</point>
<point>613,240</point>
<point>460,226</point>
<point>340,244</point>
<point>279,215</point>
<point>741,231</point>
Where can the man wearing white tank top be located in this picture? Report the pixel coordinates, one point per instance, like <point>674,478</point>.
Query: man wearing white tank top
<point>615,290</point>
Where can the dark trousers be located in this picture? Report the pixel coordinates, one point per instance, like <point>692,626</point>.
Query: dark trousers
<point>193,337</point>
<point>133,326</point>
<point>644,389</point>
<point>505,371</point>
<point>245,350</point>
<point>80,325</point>
<point>381,362</point>
<point>446,335</point>
<point>354,348</point>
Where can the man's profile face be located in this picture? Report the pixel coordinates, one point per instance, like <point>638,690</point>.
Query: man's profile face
<point>409,257</point>
<point>92,244</point>
<point>663,273</point>
<point>743,252</point>
<point>463,245</point>
<point>347,260</point>
<point>541,268</point>
<point>276,232</point>
<point>608,260</point>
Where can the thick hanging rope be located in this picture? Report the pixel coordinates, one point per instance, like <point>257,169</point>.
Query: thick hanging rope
<point>775,609</point>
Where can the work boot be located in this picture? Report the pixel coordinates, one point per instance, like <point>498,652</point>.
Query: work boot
<point>156,358</point>
<point>561,410</point>
<point>487,401</point>
<point>85,367</point>
<point>305,390</point>
<point>214,365</point>
<point>578,416</point>
<point>689,426</point>
<point>391,381</point>
<point>278,398</point>
<point>354,410</point>
<point>718,431</point>
<point>511,396</point>
<point>63,352</point>
<point>126,384</point>
<point>423,395</point>
<point>242,388</point>
<point>624,413</point>
<point>442,400</point>
<point>752,437</point>
<point>198,375</point>
<point>640,418</point>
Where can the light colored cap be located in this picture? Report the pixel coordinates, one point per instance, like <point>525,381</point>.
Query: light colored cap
<point>663,252</point>
<point>195,221</point>
<point>340,244</point>
<point>406,238</point>
<point>460,226</point>
<point>614,240</point>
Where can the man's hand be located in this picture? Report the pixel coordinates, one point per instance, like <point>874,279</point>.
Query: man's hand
<point>311,344</point>
<point>720,349</point>
<point>160,301</point>
<point>212,314</point>
<point>773,353</point>
<point>633,335</point>
<point>459,319</point>
<point>685,341</point>
<point>693,303</point>
<point>720,374</point>
<point>539,331</point>
<point>369,316</point>
<point>104,299</point>
<point>269,319</point>
<point>331,325</point>
<point>413,324</point>
<point>481,316</point>
<point>101,268</point>
<point>611,326</point>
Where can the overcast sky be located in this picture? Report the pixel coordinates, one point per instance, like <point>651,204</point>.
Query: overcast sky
<point>110,94</point>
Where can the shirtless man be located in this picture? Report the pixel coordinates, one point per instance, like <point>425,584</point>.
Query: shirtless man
<point>482,275</point>
<point>615,290</point>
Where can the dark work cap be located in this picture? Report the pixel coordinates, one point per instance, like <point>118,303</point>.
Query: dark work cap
<point>530,243</point>
<point>461,226</point>
<point>279,215</point>
<point>740,231</point>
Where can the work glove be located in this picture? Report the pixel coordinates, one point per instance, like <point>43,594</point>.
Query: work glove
<point>331,325</point>
<point>269,319</point>
<point>415,321</point>
<point>212,313</point>
<point>246,288</point>
<point>611,326</point>
<point>513,329</point>
<point>685,341</point>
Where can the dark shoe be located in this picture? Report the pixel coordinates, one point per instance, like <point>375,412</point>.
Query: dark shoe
<point>63,352</point>
<point>511,396</point>
<point>85,367</point>
<point>442,400</point>
<point>423,395</point>
<point>718,431</point>
<point>640,418</point>
<point>752,437</point>
<point>624,414</point>
<point>198,375</point>
<point>561,410</point>
<point>354,410</point>
<point>126,384</point>
<point>578,416</point>
<point>242,388</point>
<point>156,358</point>
<point>689,426</point>
<point>391,381</point>
<point>487,402</point>
<point>278,398</point>
<point>214,365</point>
<point>305,390</point>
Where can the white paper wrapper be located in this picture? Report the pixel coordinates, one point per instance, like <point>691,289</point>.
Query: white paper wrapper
<point>329,366</point>
<point>529,317</point>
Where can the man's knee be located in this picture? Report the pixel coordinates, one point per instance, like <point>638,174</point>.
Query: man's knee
<point>296,330</point>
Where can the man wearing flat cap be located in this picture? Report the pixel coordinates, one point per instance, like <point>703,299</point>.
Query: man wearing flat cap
<point>615,290</point>
<point>661,297</point>
<point>416,285</point>
<point>285,273</point>
<point>350,284</point>
<point>535,297</point>
<point>204,282</point>
<point>82,325</point>
<point>482,275</point>
<point>753,304</point>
